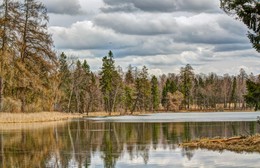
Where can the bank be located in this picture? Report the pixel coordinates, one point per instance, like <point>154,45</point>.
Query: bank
<point>237,144</point>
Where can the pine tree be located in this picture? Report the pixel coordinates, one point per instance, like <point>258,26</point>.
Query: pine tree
<point>129,78</point>
<point>128,89</point>
<point>154,93</point>
<point>248,12</point>
<point>187,76</point>
<point>65,81</point>
<point>253,96</point>
<point>109,82</point>
<point>143,91</point>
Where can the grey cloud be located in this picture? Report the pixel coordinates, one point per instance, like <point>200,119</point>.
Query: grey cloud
<point>128,8</point>
<point>204,35</point>
<point>162,34</point>
<point>137,25</point>
<point>165,5</point>
<point>210,29</point>
<point>71,7</point>
<point>201,28</point>
<point>84,35</point>
<point>231,47</point>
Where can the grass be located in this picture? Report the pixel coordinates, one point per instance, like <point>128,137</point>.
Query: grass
<point>36,117</point>
<point>31,125</point>
<point>51,116</point>
<point>236,144</point>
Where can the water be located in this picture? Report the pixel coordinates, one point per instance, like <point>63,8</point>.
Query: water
<point>105,143</point>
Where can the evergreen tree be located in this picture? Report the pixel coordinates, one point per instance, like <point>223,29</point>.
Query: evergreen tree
<point>109,82</point>
<point>187,76</point>
<point>154,93</point>
<point>129,89</point>
<point>249,13</point>
<point>253,96</point>
<point>143,91</point>
<point>129,77</point>
<point>65,81</point>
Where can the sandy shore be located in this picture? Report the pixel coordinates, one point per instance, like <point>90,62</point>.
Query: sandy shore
<point>236,144</point>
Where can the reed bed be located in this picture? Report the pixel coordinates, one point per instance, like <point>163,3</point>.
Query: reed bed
<point>36,117</point>
<point>236,144</point>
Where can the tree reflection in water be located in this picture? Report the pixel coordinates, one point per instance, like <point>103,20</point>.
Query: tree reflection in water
<point>75,143</point>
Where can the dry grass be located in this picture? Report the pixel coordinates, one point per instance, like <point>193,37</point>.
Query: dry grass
<point>51,116</point>
<point>237,144</point>
<point>36,117</point>
<point>30,126</point>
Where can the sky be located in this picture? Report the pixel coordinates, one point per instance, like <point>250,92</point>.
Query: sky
<point>163,35</point>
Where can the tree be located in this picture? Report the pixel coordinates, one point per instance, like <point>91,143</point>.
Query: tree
<point>187,76</point>
<point>248,12</point>
<point>174,101</point>
<point>143,91</point>
<point>253,94</point>
<point>129,88</point>
<point>165,90</point>
<point>154,93</point>
<point>36,58</point>
<point>109,82</point>
<point>242,87</point>
<point>170,87</point>
<point>8,41</point>
<point>64,80</point>
<point>233,96</point>
<point>129,77</point>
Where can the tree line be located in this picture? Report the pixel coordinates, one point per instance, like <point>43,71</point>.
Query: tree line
<point>112,89</point>
<point>34,78</point>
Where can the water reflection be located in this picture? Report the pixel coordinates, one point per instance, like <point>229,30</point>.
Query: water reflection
<point>84,143</point>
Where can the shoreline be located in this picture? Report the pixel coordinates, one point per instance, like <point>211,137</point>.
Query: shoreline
<point>235,144</point>
<point>6,118</point>
<point>59,116</point>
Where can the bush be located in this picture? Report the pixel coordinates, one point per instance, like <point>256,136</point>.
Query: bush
<point>11,105</point>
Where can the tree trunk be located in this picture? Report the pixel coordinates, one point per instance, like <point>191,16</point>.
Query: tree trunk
<point>69,104</point>
<point>1,93</point>
<point>114,100</point>
<point>2,158</point>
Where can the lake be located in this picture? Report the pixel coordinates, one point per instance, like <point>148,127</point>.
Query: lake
<point>129,141</point>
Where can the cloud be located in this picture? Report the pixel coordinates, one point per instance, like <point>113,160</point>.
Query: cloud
<point>164,35</point>
<point>141,24</point>
<point>70,7</point>
<point>84,35</point>
<point>161,5</point>
<point>200,28</point>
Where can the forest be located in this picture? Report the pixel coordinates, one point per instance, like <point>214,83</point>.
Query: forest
<point>33,77</point>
